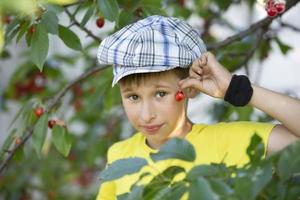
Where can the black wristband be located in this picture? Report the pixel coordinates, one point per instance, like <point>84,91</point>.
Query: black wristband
<point>239,91</point>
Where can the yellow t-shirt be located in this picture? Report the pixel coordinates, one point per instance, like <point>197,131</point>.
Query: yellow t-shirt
<point>221,142</point>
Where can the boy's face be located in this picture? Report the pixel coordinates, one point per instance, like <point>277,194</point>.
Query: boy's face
<point>152,109</point>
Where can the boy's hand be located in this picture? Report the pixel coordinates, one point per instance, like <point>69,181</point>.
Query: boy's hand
<point>208,76</point>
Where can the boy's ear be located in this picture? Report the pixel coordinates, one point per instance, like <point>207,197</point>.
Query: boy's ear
<point>191,92</point>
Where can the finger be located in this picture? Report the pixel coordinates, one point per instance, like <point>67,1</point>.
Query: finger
<point>196,75</point>
<point>191,83</point>
<point>202,60</point>
<point>196,68</point>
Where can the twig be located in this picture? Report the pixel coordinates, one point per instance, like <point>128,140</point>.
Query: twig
<point>284,24</point>
<point>251,52</point>
<point>75,22</point>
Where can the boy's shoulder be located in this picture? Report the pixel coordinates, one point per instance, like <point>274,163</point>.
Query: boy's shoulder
<point>226,129</point>
<point>124,147</point>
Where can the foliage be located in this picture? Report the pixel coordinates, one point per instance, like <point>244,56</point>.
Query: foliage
<point>63,162</point>
<point>261,178</point>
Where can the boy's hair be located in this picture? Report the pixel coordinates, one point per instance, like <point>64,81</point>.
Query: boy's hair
<point>139,78</point>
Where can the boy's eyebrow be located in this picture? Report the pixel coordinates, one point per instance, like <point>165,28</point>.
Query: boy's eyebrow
<point>127,89</point>
<point>130,89</point>
<point>161,85</point>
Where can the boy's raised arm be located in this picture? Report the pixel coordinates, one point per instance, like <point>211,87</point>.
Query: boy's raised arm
<point>207,75</point>
<point>283,108</point>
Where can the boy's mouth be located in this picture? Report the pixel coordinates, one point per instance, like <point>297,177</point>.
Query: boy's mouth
<point>151,129</point>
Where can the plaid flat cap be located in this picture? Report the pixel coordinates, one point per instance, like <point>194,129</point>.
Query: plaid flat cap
<point>153,44</point>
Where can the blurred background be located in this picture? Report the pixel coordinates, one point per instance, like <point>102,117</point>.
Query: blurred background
<point>91,108</point>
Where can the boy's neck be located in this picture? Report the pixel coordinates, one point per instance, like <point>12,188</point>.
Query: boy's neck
<point>181,133</point>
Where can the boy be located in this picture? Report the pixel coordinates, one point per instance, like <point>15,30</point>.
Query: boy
<point>152,60</point>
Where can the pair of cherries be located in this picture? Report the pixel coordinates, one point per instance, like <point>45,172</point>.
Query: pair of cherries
<point>275,7</point>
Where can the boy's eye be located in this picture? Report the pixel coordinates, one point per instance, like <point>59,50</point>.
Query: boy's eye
<point>133,97</point>
<point>161,94</point>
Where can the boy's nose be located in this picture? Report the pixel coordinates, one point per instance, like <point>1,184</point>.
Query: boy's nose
<point>147,113</point>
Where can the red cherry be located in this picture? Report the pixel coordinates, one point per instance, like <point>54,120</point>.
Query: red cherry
<point>272,12</point>
<point>280,7</point>
<point>51,123</point>
<point>77,90</point>
<point>179,96</point>
<point>32,29</point>
<point>18,141</point>
<point>6,19</point>
<point>38,111</point>
<point>181,2</point>
<point>100,22</point>
<point>77,105</point>
<point>51,195</point>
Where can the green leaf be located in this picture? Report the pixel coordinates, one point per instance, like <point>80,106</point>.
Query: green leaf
<point>223,5</point>
<point>50,20</point>
<point>201,170</point>
<point>23,28</point>
<point>175,148</point>
<point>264,49</point>
<point>249,182</point>
<point>10,36</point>
<point>220,187</point>
<point>284,48</point>
<point>39,46</point>
<point>122,167</point>
<point>136,193</point>
<point>244,187</point>
<point>62,140</point>
<point>201,190</point>
<point>87,16</point>
<point>153,3</point>
<point>152,10</point>
<point>169,173</point>
<point>8,141</point>
<point>129,5</point>
<point>289,161</point>
<point>293,193</point>
<point>21,113</point>
<point>261,177</point>
<point>161,180</point>
<point>256,149</point>
<point>19,155</point>
<point>109,9</point>
<point>69,38</point>
<point>15,24</point>
<point>40,133</point>
<point>54,8</point>
<point>244,113</point>
<point>126,17</point>
<point>177,190</point>
<point>162,193</point>
<point>28,38</point>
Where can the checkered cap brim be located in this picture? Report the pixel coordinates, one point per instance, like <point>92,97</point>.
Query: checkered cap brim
<point>153,44</point>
